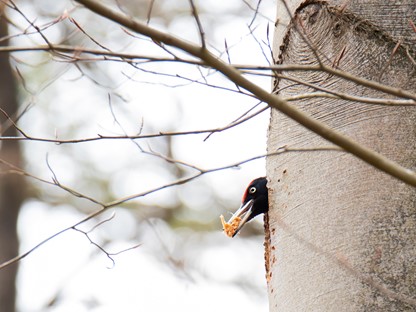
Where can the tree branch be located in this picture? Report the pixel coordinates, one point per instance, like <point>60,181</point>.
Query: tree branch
<point>368,155</point>
<point>117,202</point>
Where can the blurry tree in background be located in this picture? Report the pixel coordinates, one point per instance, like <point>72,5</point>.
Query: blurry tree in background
<point>12,189</point>
<point>130,114</point>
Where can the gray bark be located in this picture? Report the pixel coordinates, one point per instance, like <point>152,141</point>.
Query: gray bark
<point>341,234</point>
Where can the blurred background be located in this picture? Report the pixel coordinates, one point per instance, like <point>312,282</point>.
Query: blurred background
<point>75,108</point>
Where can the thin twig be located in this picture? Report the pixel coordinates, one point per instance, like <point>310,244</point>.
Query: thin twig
<point>198,23</point>
<point>149,11</point>
<point>101,248</point>
<point>104,207</point>
<point>138,136</point>
<point>347,97</point>
<point>256,11</point>
<point>244,117</point>
<point>360,151</point>
<point>387,64</point>
<point>279,67</point>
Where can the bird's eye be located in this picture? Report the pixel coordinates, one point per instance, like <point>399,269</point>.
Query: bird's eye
<point>252,190</point>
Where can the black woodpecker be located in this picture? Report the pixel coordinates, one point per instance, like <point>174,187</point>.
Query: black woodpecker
<point>255,201</point>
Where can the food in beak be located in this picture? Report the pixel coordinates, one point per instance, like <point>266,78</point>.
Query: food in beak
<point>237,220</point>
<point>230,228</point>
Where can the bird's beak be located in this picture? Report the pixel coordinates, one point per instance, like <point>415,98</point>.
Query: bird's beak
<point>244,212</point>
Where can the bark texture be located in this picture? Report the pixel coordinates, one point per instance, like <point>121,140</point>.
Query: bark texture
<point>11,185</point>
<point>327,207</point>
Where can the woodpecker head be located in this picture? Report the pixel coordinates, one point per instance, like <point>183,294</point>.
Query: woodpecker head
<point>255,201</point>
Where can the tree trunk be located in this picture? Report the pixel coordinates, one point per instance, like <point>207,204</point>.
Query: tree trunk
<point>11,185</point>
<point>343,234</point>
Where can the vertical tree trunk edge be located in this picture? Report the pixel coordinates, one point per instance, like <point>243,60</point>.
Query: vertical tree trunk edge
<point>12,189</point>
<point>329,207</point>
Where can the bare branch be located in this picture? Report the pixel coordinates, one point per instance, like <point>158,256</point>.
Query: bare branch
<point>368,155</point>
<point>111,217</point>
<point>105,207</point>
<point>387,64</point>
<point>123,57</point>
<point>241,119</point>
<point>198,23</point>
<point>256,11</point>
<point>101,248</point>
<point>126,136</point>
<point>73,21</point>
<point>260,45</point>
<point>344,96</point>
<point>149,11</point>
